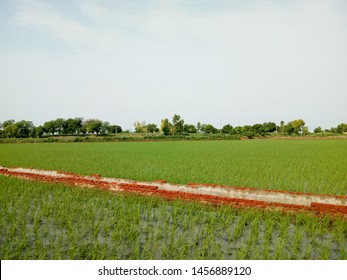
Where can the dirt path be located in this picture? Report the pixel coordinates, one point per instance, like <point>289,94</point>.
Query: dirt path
<point>235,196</point>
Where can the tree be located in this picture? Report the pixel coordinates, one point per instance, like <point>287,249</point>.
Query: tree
<point>59,125</point>
<point>177,125</point>
<point>269,127</point>
<point>114,129</point>
<point>152,128</point>
<point>25,128</point>
<point>165,126</point>
<point>198,127</point>
<point>55,126</point>
<point>189,128</point>
<point>93,126</point>
<point>38,131</point>
<point>295,127</point>
<point>281,128</point>
<point>50,127</point>
<point>11,130</point>
<point>305,130</point>
<point>105,128</point>
<point>237,130</point>
<point>341,128</point>
<point>8,122</point>
<point>317,130</point>
<point>227,128</point>
<point>258,129</point>
<point>209,128</point>
<point>140,127</point>
<point>249,133</point>
<point>245,129</point>
<point>72,126</point>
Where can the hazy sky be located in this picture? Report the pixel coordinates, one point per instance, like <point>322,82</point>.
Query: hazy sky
<point>214,61</point>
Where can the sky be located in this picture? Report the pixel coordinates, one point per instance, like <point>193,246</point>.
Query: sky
<point>220,62</point>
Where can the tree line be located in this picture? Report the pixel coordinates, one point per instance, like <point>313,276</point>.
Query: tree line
<point>177,126</point>
<point>60,126</point>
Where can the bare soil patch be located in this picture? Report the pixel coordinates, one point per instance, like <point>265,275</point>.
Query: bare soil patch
<point>215,194</point>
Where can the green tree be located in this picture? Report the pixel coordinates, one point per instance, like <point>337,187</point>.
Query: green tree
<point>50,127</point>
<point>237,130</point>
<point>165,126</point>
<point>258,129</point>
<point>341,128</point>
<point>317,129</point>
<point>295,127</point>
<point>189,128</point>
<point>249,134</point>
<point>140,127</point>
<point>72,126</point>
<point>305,130</point>
<point>93,126</point>
<point>269,127</point>
<point>38,131</point>
<point>11,130</point>
<point>245,129</point>
<point>8,122</point>
<point>281,127</point>
<point>177,125</point>
<point>114,129</point>
<point>59,125</point>
<point>105,128</point>
<point>25,128</point>
<point>152,128</point>
<point>227,128</point>
<point>198,127</point>
<point>209,128</point>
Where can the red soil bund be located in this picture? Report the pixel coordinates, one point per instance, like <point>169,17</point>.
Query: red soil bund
<point>219,195</point>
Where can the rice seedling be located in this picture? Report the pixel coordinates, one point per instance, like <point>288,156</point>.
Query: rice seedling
<point>317,166</point>
<point>45,221</point>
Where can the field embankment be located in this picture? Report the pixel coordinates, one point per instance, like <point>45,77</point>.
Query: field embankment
<point>143,137</point>
<point>223,195</point>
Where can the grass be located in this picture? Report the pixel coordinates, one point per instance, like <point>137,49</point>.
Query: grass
<point>318,166</point>
<point>47,221</point>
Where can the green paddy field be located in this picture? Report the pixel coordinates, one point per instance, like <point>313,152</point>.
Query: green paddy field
<point>52,221</point>
<point>318,166</point>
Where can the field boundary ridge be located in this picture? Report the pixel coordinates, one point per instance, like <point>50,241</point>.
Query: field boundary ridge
<point>216,194</point>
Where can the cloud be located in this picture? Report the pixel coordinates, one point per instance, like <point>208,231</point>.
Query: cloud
<point>171,23</point>
<point>43,17</point>
<point>245,61</point>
